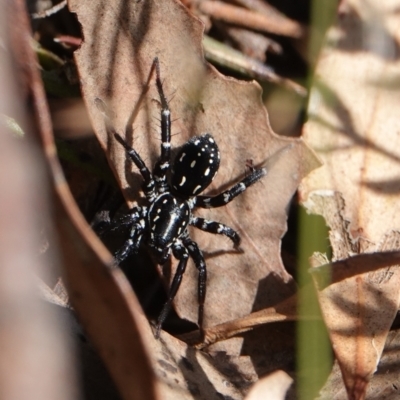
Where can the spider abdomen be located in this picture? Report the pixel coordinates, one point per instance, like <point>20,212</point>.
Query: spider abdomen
<point>195,166</point>
<point>167,220</point>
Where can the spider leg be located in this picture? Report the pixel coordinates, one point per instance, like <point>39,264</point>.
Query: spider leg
<point>163,164</point>
<point>216,227</point>
<point>200,264</point>
<point>227,196</point>
<point>149,184</point>
<point>126,220</point>
<point>182,255</point>
<point>132,244</point>
<point>129,218</point>
<point>136,220</point>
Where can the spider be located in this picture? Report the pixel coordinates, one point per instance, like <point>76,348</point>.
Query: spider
<point>163,224</point>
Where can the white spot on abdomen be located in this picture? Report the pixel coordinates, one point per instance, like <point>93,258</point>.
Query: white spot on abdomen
<point>198,187</point>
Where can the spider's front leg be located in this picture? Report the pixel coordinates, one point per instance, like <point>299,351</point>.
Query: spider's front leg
<point>163,164</point>
<point>149,184</point>
<point>227,196</point>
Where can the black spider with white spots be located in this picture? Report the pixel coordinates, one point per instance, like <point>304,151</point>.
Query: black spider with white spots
<point>163,225</point>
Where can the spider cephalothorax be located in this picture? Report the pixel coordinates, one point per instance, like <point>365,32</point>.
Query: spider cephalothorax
<point>163,224</point>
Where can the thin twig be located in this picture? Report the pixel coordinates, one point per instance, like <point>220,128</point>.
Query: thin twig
<point>250,19</point>
<point>50,11</point>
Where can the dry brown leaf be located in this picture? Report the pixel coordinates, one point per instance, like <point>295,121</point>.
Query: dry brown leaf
<point>36,357</point>
<point>384,383</point>
<point>120,41</point>
<point>271,387</point>
<point>354,127</point>
<point>185,373</point>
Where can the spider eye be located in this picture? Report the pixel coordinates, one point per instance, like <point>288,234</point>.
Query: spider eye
<point>195,166</point>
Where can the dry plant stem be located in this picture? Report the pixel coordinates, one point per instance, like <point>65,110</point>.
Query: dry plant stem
<point>68,40</point>
<point>264,8</point>
<point>284,311</point>
<point>337,271</point>
<point>233,59</point>
<point>249,19</point>
<point>252,44</point>
<point>324,276</point>
<point>50,11</point>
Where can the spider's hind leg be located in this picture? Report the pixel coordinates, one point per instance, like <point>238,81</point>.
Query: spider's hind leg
<point>200,264</point>
<point>182,255</point>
